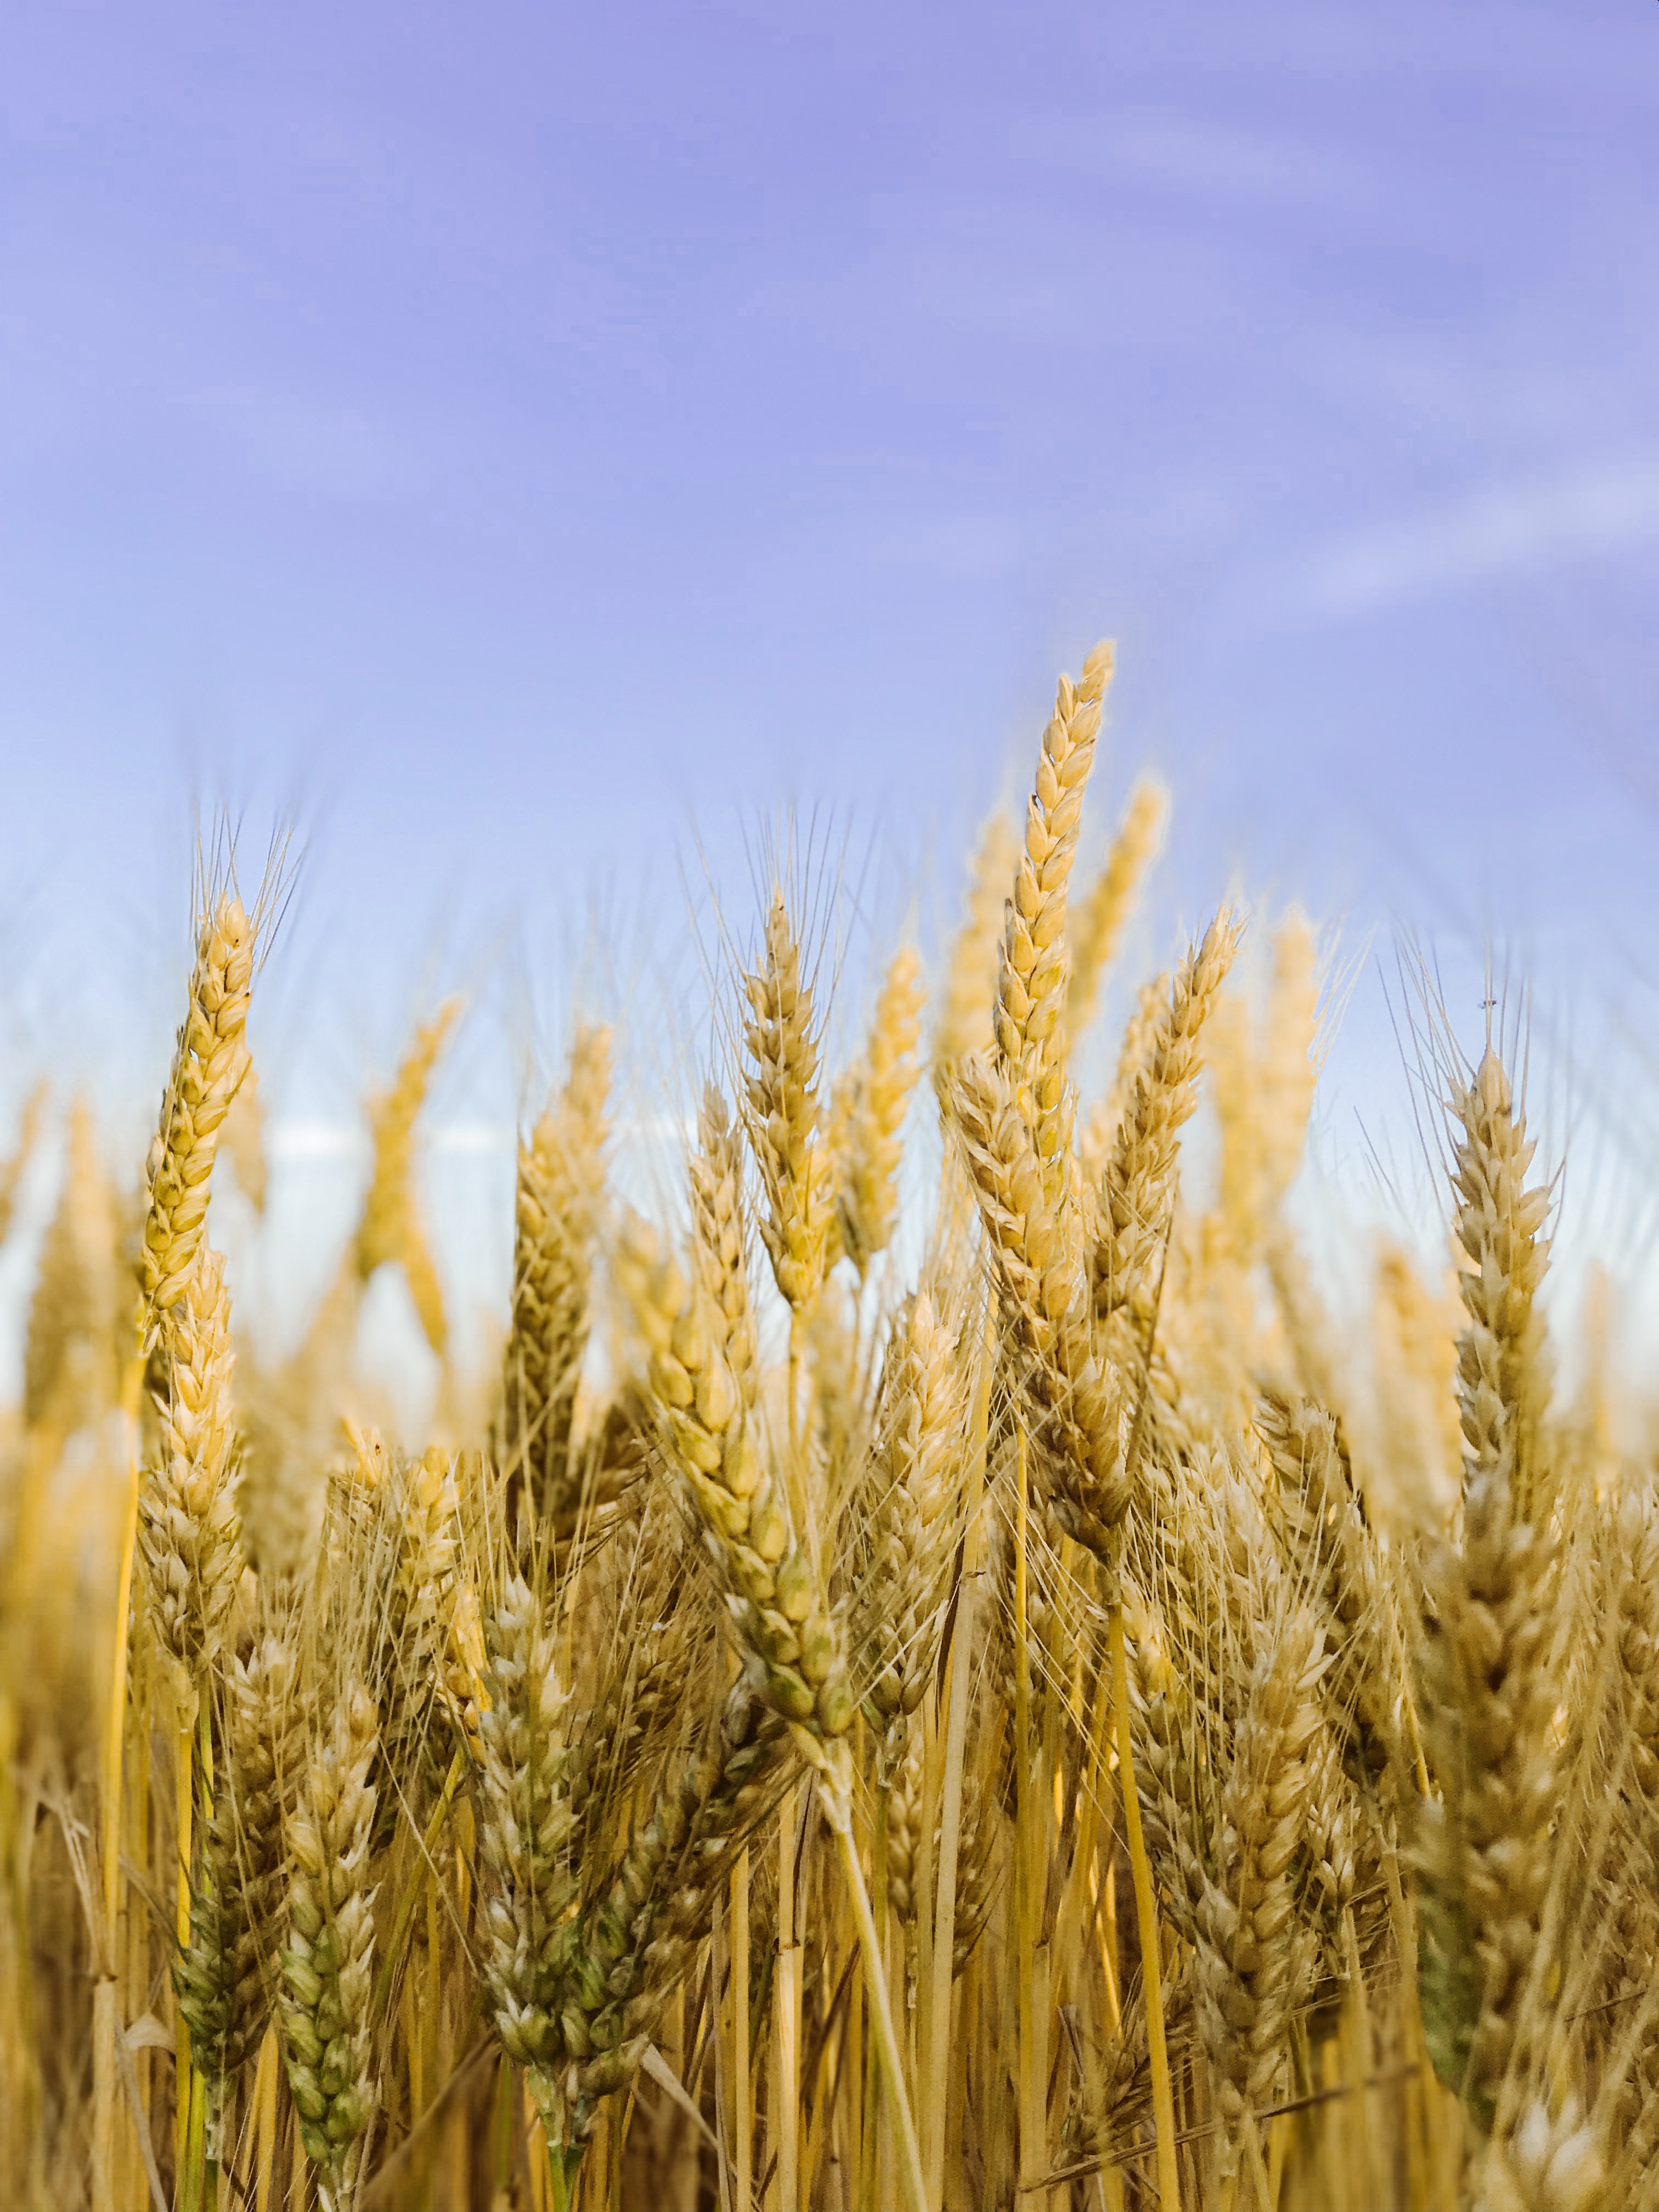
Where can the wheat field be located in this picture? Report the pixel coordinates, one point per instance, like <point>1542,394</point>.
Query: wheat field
<point>1057,1720</point>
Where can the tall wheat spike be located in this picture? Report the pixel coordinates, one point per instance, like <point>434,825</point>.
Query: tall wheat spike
<point>560,1191</point>
<point>391,1228</point>
<point>328,1960</point>
<point>186,1503</point>
<point>209,1062</point>
<point>1030,1016</point>
<point>1110,901</point>
<point>1489,1694</point>
<point>875,1097</point>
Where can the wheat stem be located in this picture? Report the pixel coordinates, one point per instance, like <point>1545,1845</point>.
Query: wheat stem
<point>1169,2172</point>
<point>1032,2086</point>
<point>105,2020</point>
<point>742,2093</point>
<point>962,1643</point>
<point>836,1797</point>
<point>786,2085</point>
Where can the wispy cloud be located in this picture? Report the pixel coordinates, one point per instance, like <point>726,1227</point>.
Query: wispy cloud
<point>1190,154</point>
<point>1503,530</point>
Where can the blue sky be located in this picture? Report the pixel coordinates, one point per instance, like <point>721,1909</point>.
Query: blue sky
<point>506,435</point>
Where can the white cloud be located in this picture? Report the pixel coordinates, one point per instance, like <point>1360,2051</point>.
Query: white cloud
<point>1506,529</point>
<point>1189,154</point>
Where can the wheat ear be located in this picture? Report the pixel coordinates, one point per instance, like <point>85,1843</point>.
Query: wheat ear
<point>1079,1459</point>
<point>1248,1931</point>
<point>526,1885</point>
<point>1484,1848</point>
<point>772,1579</point>
<point>1110,901</point>
<point>208,1063</point>
<point>561,1182</point>
<point>69,1372</point>
<point>783,1113</point>
<point>1332,1552</point>
<point>328,1961</point>
<point>1289,1071</point>
<point>1030,1015</point>
<point>225,1980</point>
<point>866,1195</point>
<point>209,1057</point>
<point>720,1247</point>
<point>1136,1191</point>
<point>11,1168</point>
<point>901,1594</point>
<point>391,1227</point>
<point>640,1934</point>
<point>423,1506</point>
<point>187,1527</point>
